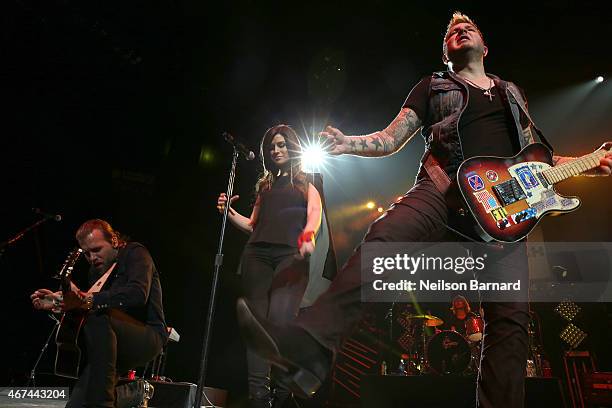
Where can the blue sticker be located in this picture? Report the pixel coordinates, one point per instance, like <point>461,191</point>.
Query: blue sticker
<point>527,178</point>
<point>566,202</point>
<point>524,215</point>
<point>475,181</point>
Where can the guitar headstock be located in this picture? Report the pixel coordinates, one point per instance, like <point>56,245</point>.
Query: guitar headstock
<point>606,146</point>
<point>68,265</point>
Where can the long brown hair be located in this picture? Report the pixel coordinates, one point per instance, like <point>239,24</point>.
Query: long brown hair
<point>270,170</point>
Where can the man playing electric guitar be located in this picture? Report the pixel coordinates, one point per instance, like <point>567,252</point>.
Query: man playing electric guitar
<point>463,112</point>
<point>125,326</point>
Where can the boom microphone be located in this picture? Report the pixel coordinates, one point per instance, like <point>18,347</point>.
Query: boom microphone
<point>239,145</point>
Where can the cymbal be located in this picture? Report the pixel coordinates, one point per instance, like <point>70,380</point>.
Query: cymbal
<point>429,320</point>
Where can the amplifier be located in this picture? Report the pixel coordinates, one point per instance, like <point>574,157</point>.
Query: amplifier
<point>597,389</point>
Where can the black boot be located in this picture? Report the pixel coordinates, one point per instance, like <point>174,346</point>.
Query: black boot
<point>303,362</point>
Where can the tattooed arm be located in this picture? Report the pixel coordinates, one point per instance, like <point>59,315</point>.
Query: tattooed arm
<point>382,143</point>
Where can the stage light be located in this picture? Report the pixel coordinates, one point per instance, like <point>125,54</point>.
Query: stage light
<point>599,79</point>
<point>313,157</point>
<point>380,209</point>
<point>572,335</point>
<point>207,156</point>
<point>568,310</point>
<point>370,205</point>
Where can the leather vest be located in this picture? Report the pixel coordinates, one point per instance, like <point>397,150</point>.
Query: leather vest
<point>448,99</point>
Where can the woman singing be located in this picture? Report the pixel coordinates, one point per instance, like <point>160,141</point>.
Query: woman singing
<point>285,219</point>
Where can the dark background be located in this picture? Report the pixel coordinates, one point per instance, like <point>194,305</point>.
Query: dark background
<point>115,109</point>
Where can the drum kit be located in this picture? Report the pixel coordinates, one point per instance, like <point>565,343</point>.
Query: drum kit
<point>430,350</point>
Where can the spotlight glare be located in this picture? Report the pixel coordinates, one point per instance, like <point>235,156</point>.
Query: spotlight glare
<point>599,79</point>
<point>370,205</point>
<point>380,209</point>
<point>313,157</point>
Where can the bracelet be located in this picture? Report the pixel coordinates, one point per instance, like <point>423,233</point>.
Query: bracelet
<point>88,301</point>
<point>306,236</point>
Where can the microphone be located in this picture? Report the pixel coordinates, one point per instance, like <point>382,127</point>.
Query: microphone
<point>56,217</point>
<point>239,145</point>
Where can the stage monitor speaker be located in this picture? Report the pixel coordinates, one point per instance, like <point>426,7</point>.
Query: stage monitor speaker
<point>182,395</point>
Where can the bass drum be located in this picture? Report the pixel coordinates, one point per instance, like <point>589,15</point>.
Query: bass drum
<point>448,352</point>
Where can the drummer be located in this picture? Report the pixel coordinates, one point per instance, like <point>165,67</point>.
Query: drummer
<point>464,321</point>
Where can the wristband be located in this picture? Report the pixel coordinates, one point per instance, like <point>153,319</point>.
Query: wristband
<point>306,236</point>
<point>87,300</point>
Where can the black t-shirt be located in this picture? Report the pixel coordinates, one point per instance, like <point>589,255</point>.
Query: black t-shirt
<point>282,214</point>
<point>486,127</point>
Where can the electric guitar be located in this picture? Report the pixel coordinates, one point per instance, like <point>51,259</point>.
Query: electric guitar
<point>508,196</point>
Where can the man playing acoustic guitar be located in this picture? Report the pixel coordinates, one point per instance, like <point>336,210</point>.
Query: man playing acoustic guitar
<point>124,326</point>
<point>463,112</point>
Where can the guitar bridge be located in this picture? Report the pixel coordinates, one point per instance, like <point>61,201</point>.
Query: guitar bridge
<point>509,192</point>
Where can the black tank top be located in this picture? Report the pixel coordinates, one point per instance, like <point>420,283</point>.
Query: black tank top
<point>282,214</point>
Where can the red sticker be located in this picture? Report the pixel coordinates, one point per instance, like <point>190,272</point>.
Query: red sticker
<point>492,176</point>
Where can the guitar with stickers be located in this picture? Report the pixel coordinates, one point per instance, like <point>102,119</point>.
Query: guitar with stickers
<point>508,196</point>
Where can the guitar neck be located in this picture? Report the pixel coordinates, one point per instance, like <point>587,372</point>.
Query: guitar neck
<point>574,167</point>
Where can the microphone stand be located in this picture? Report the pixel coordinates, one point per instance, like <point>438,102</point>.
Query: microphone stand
<point>20,235</point>
<point>213,290</point>
<point>32,380</point>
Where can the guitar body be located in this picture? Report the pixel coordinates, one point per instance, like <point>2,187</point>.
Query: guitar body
<point>68,357</point>
<point>508,196</point>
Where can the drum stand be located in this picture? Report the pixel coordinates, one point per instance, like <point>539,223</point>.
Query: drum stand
<point>32,379</point>
<point>422,356</point>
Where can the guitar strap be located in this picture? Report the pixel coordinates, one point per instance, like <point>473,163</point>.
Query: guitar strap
<point>96,287</point>
<point>437,174</point>
<point>521,105</point>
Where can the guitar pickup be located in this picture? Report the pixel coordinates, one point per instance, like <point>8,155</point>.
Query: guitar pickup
<point>542,179</point>
<point>509,192</point>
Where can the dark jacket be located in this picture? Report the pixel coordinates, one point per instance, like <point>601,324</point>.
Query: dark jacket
<point>134,288</point>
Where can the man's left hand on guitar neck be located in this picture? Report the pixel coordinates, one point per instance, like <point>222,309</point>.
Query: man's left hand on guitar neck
<point>604,169</point>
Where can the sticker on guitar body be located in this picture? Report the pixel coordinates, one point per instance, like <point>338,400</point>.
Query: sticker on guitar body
<point>527,178</point>
<point>492,176</point>
<point>487,200</point>
<point>475,181</point>
<point>500,215</point>
<point>524,215</point>
<point>549,200</point>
